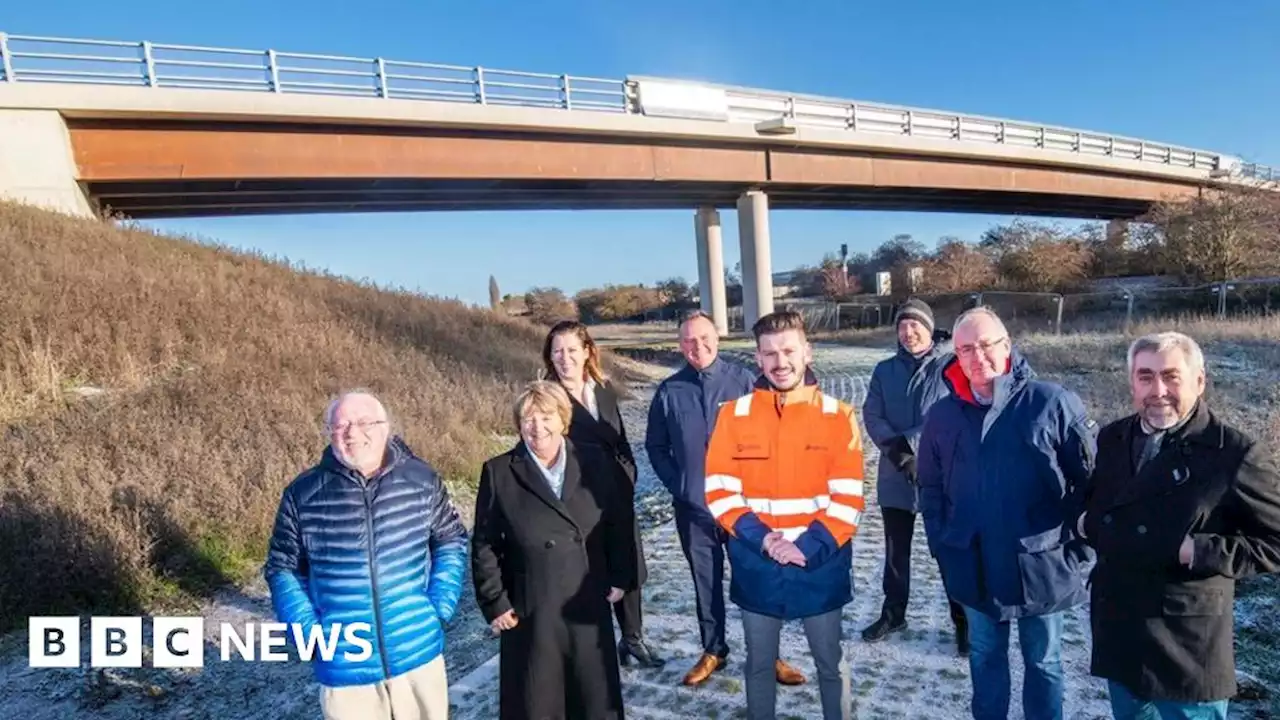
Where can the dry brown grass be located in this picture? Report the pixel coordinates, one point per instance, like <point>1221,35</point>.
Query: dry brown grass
<point>1243,358</point>
<point>215,367</point>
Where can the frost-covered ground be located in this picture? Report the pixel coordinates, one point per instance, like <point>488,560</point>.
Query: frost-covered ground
<point>914,674</point>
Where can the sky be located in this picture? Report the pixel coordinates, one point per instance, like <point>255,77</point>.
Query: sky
<point>1189,72</point>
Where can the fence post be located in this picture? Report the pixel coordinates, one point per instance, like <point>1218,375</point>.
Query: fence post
<point>1057,323</point>
<point>384,89</point>
<point>6,61</point>
<point>273,68</point>
<point>1128,311</point>
<point>565,88</point>
<point>152,80</point>
<point>480,98</point>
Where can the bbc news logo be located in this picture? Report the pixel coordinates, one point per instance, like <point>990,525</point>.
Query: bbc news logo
<point>179,642</point>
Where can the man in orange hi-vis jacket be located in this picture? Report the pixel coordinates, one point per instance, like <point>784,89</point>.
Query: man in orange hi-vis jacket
<point>784,479</point>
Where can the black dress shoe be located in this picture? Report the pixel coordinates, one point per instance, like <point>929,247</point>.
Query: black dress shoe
<point>880,629</point>
<point>628,649</point>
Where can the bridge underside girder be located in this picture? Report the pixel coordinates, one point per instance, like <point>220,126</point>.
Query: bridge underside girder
<point>166,169</point>
<point>192,198</point>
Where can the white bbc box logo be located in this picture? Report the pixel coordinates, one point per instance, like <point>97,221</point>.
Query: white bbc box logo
<point>53,642</point>
<point>177,642</point>
<point>115,642</point>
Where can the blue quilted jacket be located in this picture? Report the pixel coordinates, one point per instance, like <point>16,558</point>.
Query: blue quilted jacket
<point>390,552</point>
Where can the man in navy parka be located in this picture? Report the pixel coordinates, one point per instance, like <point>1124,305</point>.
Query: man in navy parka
<point>1003,464</point>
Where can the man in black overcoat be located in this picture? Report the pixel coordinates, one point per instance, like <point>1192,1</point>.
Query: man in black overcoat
<point>1180,507</point>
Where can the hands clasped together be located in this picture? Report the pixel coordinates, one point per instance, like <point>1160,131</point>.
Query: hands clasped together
<point>782,550</point>
<point>507,620</point>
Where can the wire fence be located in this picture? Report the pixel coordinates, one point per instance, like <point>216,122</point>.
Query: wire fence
<point>1106,311</point>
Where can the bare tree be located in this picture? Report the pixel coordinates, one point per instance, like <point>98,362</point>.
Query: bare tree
<point>547,306</point>
<point>1219,235</point>
<point>957,267</point>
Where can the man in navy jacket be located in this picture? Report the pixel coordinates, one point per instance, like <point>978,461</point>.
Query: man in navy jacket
<point>1003,467</point>
<point>681,418</point>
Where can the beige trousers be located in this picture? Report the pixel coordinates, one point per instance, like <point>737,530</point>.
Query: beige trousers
<point>420,694</point>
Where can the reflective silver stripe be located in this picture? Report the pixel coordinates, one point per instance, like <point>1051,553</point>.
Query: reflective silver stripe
<point>725,504</point>
<point>845,513</point>
<point>796,506</point>
<point>792,533</point>
<point>830,406</point>
<point>742,406</point>
<point>724,482</point>
<point>845,486</point>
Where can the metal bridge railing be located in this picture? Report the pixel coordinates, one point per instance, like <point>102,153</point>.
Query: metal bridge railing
<point>147,64</point>
<point>26,58</point>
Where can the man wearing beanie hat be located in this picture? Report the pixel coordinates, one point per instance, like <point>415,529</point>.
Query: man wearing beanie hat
<point>902,389</point>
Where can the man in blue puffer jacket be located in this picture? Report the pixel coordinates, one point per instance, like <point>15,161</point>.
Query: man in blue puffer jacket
<point>1003,466</point>
<point>369,536</point>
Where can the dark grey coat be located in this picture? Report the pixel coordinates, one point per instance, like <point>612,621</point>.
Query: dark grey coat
<point>1161,629</point>
<point>901,392</point>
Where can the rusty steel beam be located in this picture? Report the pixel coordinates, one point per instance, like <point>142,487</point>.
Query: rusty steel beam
<point>106,153</point>
<point>830,169</point>
<point>201,168</point>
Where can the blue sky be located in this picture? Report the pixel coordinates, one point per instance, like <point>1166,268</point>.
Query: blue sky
<point>1191,72</point>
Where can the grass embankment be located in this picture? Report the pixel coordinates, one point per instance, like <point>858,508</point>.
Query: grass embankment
<point>157,394</point>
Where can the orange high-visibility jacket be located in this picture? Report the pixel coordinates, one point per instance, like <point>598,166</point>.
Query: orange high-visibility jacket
<point>789,462</point>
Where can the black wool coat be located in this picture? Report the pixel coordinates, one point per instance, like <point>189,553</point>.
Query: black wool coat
<point>609,435</point>
<point>1161,629</point>
<point>552,561</point>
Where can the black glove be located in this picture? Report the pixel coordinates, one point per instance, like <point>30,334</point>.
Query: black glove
<point>909,469</point>
<point>899,453</point>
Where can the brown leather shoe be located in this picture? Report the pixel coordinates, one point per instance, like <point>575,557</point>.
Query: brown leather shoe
<point>706,665</point>
<point>788,675</point>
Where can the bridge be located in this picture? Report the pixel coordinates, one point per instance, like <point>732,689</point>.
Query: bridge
<point>151,130</point>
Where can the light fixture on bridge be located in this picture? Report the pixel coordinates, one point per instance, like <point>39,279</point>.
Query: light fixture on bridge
<point>781,125</point>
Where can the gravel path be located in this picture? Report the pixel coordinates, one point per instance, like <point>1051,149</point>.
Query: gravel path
<point>915,674</point>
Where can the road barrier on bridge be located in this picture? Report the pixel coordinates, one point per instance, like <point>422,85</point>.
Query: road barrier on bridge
<point>25,58</point>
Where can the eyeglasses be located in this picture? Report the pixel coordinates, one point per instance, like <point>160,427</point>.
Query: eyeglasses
<point>986,346</point>
<point>363,426</point>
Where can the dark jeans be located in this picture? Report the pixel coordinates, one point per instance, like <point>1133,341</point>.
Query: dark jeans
<point>703,544</point>
<point>1040,638</point>
<point>823,633</point>
<point>899,527</point>
<point>1125,706</point>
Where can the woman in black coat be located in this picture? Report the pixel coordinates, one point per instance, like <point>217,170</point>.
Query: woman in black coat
<point>572,358</point>
<point>549,553</point>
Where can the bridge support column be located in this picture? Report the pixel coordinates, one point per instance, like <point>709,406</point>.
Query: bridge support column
<point>37,165</point>
<point>711,267</point>
<point>1118,230</point>
<point>757,267</point>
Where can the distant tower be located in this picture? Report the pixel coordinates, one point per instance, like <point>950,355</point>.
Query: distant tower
<point>495,297</point>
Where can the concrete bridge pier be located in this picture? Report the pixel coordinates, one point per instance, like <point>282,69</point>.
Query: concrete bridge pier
<point>711,267</point>
<point>757,266</point>
<point>37,165</point>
